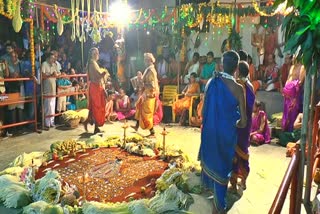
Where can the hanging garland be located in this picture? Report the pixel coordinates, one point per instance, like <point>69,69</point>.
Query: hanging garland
<point>189,16</point>
<point>1,6</point>
<point>260,12</point>
<point>10,7</point>
<point>199,20</point>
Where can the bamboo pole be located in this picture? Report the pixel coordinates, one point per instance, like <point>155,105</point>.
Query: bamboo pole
<point>304,129</point>
<point>310,158</point>
<point>40,76</point>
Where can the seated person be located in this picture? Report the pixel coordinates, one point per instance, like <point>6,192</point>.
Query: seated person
<point>271,75</point>
<point>123,107</point>
<point>252,70</point>
<point>294,136</point>
<point>173,69</point>
<point>110,114</point>
<point>63,84</point>
<point>197,120</point>
<point>72,100</point>
<point>192,89</point>
<point>163,70</point>
<point>202,62</point>
<point>191,67</point>
<point>266,78</point>
<point>207,70</point>
<point>72,71</point>
<point>260,131</point>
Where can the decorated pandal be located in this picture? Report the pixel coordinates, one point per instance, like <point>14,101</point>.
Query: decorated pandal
<point>108,174</point>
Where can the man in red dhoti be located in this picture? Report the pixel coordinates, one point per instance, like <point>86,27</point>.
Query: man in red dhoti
<point>97,98</point>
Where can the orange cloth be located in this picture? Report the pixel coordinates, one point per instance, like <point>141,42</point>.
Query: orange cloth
<point>145,108</point>
<point>97,103</point>
<point>121,69</point>
<point>252,71</point>
<point>197,120</point>
<point>185,102</point>
<point>256,85</point>
<point>146,104</point>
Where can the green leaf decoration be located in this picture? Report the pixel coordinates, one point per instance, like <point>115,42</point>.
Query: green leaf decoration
<point>306,6</point>
<point>307,44</point>
<point>293,41</point>
<point>307,57</point>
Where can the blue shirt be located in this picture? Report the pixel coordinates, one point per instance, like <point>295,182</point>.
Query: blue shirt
<point>63,82</point>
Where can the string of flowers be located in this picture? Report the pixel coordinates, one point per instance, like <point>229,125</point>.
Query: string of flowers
<point>32,50</point>
<point>6,15</point>
<point>199,20</point>
<point>11,6</point>
<point>259,11</point>
<point>1,6</point>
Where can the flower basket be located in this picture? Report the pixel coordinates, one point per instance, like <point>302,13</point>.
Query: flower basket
<point>73,123</point>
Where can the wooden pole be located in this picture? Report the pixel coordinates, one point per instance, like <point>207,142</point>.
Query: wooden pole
<point>82,57</point>
<point>40,76</point>
<point>306,111</point>
<point>310,157</point>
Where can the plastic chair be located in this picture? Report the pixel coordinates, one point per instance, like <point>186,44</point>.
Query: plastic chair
<point>169,96</point>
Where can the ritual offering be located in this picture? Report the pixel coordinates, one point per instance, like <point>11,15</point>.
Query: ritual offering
<point>109,177</point>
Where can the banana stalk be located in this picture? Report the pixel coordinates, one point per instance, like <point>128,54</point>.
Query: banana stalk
<point>73,35</point>
<point>60,22</point>
<point>17,20</point>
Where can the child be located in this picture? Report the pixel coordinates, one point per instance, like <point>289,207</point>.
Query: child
<point>110,114</point>
<point>63,85</point>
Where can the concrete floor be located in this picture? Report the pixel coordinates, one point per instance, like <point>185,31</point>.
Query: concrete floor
<point>268,162</point>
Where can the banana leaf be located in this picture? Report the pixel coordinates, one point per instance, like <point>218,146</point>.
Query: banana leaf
<point>306,6</point>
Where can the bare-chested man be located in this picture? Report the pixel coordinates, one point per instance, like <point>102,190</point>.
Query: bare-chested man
<point>257,42</point>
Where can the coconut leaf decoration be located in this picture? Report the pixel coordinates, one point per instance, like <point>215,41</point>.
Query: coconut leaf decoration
<point>302,31</point>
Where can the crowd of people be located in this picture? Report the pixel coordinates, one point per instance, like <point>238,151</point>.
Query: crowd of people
<point>230,116</point>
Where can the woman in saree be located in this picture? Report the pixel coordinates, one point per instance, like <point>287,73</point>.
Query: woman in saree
<point>270,80</point>
<point>123,106</point>
<point>260,131</point>
<point>292,92</point>
<point>192,89</point>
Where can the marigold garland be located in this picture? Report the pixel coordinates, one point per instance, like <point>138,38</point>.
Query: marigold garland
<point>260,12</point>
<point>1,6</point>
<point>10,6</point>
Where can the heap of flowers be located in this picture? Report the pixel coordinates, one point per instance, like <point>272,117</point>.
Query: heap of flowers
<point>50,194</point>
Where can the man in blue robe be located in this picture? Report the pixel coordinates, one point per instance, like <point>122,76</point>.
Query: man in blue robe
<point>223,112</point>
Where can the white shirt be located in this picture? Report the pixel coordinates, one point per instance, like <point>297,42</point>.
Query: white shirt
<point>192,69</point>
<point>162,67</point>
